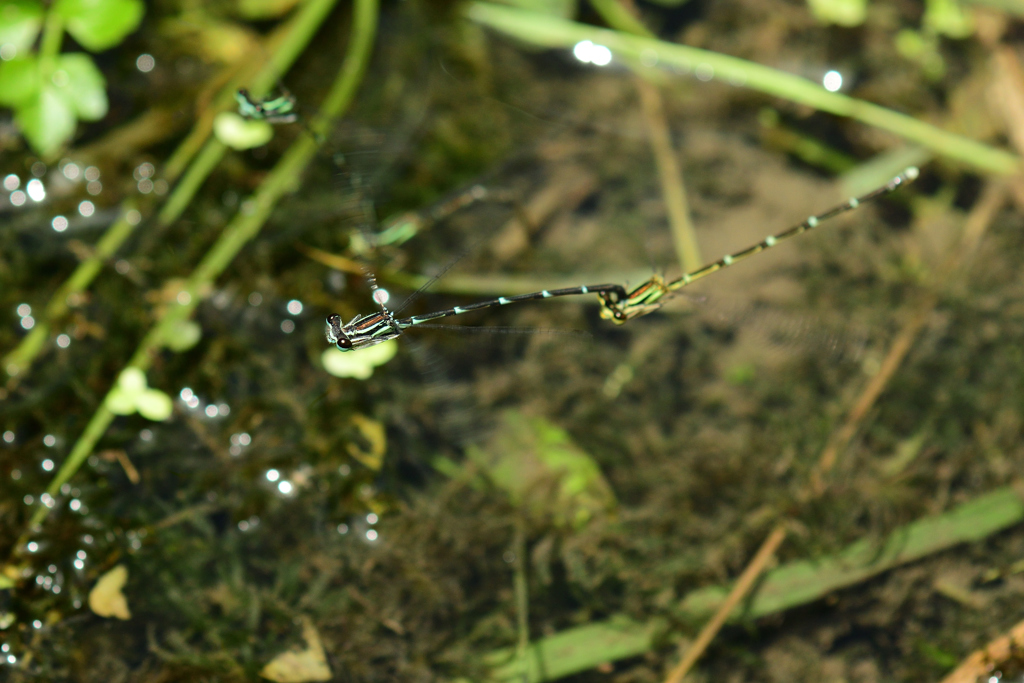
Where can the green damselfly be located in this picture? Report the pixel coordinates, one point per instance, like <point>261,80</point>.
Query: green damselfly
<point>280,109</point>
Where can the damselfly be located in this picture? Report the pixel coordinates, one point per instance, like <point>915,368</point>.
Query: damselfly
<point>280,109</point>
<point>617,304</point>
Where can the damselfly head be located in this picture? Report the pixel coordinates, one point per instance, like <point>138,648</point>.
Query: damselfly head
<point>336,335</point>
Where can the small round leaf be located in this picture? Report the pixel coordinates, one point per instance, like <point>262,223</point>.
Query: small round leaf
<point>47,122</point>
<point>358,364</point>
<point>237,133</point>
<point>132,380</point>
<point>121,402</point>
<point>183,336</point>
<point>155,405</point>
<point>82,85</point>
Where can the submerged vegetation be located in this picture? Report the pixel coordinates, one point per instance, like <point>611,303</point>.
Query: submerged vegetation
<point>806,470</point>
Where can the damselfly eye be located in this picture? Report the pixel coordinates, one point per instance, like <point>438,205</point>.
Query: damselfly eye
<point>333,331</point>
<point>345,344</point>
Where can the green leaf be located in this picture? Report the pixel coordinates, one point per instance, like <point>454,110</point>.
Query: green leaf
<point>841,12</point>
<point>542,470</point>
<point>183,336</point>
<point>81,85</point>
<point>121,402</point>
<point>19,81</point>
<point>261,10</point>
<point>670,3</point>
<point>358,364</point>
<point>132,380</point>
<point>922,48</point>
<point>237,133</point>
<point>948,18</point>
<point>20,21</point>
<point>100,24</point>
<point>47,122</point>
<point>564,9</point>
<point>155,405</point>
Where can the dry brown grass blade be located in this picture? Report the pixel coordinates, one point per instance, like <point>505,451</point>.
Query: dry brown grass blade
<point>992,199</point>
<point>983,662</point>
<point>673,188</point>
<point>738,592</point>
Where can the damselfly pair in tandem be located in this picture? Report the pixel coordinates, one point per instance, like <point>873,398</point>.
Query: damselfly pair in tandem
<point>617,303</point>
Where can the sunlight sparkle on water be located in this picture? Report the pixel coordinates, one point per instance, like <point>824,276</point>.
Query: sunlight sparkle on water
<point>832,81</point>
<point>592,53</point>
<point>36,190</point>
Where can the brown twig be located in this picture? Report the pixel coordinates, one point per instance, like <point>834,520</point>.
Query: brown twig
<point>738,592</point>
<point>982,662</point>
<point>673,189</point>
<point>992,199</point>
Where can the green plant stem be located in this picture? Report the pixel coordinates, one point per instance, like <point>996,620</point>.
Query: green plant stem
<point>546,31</point>
<point>289,41</point>
<point>22,356</point>
<point>198,171</point>
<point>53,35</point>
<point>244,227</point>
<point>522,589</point>
<point>785,587</point>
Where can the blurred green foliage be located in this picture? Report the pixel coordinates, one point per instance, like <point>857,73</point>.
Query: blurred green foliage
<point>50,92</point>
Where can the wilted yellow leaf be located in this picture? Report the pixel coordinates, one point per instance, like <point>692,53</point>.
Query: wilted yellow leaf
<point>106,598</point>
<point>297,666</point>
<point>372,443</point>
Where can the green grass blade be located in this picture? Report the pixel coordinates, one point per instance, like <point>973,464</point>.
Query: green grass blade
<point>546,31</point>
